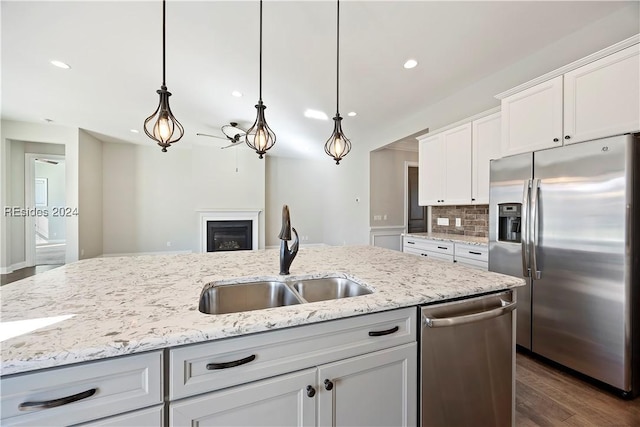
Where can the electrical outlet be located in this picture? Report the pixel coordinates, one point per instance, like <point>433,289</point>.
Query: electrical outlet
<point>384,217</point>
<point>377,217</point>
<point>443,221</point>
<point>458,222</point>
<point>168,244</point>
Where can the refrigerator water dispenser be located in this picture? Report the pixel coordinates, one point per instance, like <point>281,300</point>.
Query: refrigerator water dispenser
<point>509,222</point>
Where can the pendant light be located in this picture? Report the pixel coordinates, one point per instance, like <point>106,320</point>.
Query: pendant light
<point>162,126</point>
<point>338,145</point>
<point>260,137</point>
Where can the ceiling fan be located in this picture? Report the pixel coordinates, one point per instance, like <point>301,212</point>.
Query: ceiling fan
<point>232,132</point>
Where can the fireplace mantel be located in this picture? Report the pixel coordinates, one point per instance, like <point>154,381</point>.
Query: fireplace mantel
<point>228,215</point>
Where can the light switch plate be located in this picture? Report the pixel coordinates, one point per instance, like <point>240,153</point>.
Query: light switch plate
<point>458,222</point>
<point>443,221</point>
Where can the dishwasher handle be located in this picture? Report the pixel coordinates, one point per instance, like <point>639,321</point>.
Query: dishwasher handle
<point>505,308</point>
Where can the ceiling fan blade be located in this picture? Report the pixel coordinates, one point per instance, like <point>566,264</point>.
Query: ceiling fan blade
<point>212,136</point>
<point>233,144</point>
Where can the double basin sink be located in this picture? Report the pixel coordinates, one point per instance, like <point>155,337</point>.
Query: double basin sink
<point>239,297</point>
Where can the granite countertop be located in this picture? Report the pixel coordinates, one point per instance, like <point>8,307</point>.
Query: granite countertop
<point>456,238</point>
<point>104,307</point>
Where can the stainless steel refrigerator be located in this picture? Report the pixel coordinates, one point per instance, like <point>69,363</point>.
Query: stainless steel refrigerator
<point>565,219</point>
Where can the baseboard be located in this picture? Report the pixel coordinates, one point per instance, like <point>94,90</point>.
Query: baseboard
<point>144,253</point>
<point>12,268</point>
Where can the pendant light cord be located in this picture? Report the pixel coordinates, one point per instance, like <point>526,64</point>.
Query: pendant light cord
<point>164,5</point>
<point>260,84</point>
<point>337,56</point>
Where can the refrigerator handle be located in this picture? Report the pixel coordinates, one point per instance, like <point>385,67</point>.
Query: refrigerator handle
<point>533,233</point>
<point>524,227</point>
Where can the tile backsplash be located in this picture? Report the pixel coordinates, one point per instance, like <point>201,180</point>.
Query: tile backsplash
<point>474,220</point>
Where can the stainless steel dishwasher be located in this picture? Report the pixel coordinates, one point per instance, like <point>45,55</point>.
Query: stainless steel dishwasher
<point>467,365</point>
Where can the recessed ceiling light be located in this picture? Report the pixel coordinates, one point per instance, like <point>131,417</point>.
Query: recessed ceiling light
<point>60,64</point>
<point>411,63</point>
<point>315,114</point>
<point>352,114</point>
<point>134,131</point>
<point>236,94</point>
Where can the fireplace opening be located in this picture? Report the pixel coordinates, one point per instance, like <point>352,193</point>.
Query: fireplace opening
<point>229,235</point>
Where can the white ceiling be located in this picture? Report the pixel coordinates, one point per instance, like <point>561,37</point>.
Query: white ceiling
<point>114,49</point>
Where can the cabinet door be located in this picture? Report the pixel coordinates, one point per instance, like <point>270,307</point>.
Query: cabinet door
<point>485,140</point>
<point>151,417</point>
<point>603,98</point>
<point>376,389</point>
<point>278,401</point>
<point>457,181</point>
<point>532,119</point>
<point>431,171</point>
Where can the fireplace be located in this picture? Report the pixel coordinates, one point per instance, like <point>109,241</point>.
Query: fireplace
<point>229,235</point>
<point>228,230</point>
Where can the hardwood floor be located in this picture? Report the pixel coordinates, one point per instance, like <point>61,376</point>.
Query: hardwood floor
<point>546,396</point>
<point>24,273</point>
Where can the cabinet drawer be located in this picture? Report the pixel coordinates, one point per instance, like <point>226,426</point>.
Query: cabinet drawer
<point>199,368</point>
<point>474,252</point>
<point>150,417</point>
<point>437,246</point>
<point>483,265</point>
<point>94,390</point>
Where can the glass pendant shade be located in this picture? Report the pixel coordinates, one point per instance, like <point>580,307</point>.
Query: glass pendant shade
<point>260,137</point>
<point>162,126</point>
<point>338,145</point>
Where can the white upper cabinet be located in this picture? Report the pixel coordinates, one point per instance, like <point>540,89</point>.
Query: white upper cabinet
<point>532,119</point>
<point>485,141</point>
<point>445,168</point>
<point>602,98</point>
<point>595,97</point>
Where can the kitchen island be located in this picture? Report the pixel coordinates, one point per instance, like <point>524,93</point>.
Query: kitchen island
<point>108,307</point>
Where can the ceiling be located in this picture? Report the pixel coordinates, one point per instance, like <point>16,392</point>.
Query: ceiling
<point>114,49</point>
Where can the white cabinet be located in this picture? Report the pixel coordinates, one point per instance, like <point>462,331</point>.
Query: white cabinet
<point>532,119</point>
<point>465,254</point>
<point>485,140</point>
<point>445,167</point>
<point>603,98</point>
<point>376,389</point>
<point>278,378</point>
<point>285,400</point>
<point>472,255</point>
<point>83,392</point>
<point>426,248</point>
<point>595,100</point>
<point>150,417</point>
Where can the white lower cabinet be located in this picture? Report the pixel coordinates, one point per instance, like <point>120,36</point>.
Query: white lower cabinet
<point>279,401</point>
<point>150,417</point>
<point>470,255</point>
<point>360,371</point>
<point>375,389</point>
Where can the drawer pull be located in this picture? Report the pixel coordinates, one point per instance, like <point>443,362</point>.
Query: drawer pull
<point>381,333</point>
<point>475,253</point>
<point>443,247</point>
<point>29,406</point>
<point>424,255</point>
<point>225,365</point>
<point>410,243</point>
<point>328,385</point>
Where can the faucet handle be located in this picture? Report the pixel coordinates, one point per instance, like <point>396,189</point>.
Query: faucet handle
<point>296,241</point>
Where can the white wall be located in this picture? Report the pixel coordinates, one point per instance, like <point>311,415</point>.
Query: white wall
<point>22,133</point>
<point>90,207</point>
<point>387,186</point>
<point>300,184</point>
<point>151,198</point>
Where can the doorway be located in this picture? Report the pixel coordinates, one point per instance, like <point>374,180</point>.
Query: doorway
<point>416,216</point>
<point>45,232</point>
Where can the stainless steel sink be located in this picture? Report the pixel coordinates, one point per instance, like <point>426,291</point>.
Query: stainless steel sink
<point>239,297</point>
<point>313,290</point>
